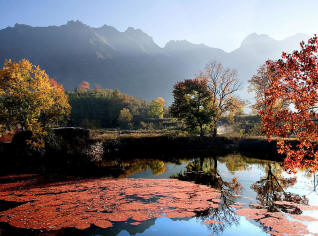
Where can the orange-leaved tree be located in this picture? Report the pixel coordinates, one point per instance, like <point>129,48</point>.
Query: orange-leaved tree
<point>84,85</point>
<point>294,80</point>
<point>29,98</point>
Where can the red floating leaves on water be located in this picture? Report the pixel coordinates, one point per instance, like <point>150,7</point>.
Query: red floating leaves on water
<point>303,218</point>
<point>285,226</point>
<point>284,203</point>
<point>300,206</point>
<point>255,205</point>
<point>217,200</point>
<point>183,214</point>
<point>104,224</point>
<point>135,223</point>
<point>249,213</point>
<point>103,201</point>
<point>80,225</point>
<point>209,222</point>
<point>278,222</point>
<point>237,205</point>
<point>16,185</point>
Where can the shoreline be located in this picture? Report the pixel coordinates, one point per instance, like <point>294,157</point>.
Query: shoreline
<point>83,154</point>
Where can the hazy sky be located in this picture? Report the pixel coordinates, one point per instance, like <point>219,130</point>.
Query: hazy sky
<point>217,23</point>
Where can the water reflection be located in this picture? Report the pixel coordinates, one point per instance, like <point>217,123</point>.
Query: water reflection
<point>123,169</point>
<point>271,189</point>
<point>205,171</point>
<point>236,162</point>
<point>214,194</point>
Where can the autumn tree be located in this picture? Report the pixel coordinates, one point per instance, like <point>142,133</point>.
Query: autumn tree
<point>84,86</point>
<point>156,108</point>
<point>260,82</point>
<point>192,103</point>
<point>29,98</point>
<point>125,117</point>
<point>295,81</point>
<point>223,84</point>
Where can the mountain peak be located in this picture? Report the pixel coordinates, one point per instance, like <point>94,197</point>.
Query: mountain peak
<point>256,39</point>
<point>76,24</point>
<point>182,45</point>
<point>143,40</point>
<point>131,31</point>
<point>108,29</point>
<point>17,25</point>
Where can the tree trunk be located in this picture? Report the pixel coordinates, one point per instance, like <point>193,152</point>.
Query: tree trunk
<point>214,132</point>
<point>201,131</point>
<point>215,163</point>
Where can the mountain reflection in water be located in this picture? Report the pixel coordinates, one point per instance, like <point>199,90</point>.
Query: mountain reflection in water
<point>228,195</point>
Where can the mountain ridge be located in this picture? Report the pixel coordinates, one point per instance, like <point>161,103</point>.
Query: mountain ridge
<point>130,60</point>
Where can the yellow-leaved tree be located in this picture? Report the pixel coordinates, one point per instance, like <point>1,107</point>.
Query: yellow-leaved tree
<point>156,108</point>
<point>30,99</point>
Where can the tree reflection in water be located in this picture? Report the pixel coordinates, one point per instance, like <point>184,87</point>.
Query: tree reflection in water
<point>123,169</point>
<point>235,162</point>
<point>275,204</point>
<point>204,171</point>
<point>271,189</point>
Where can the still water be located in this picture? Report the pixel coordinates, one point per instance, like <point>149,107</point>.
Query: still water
<point>230,195</point>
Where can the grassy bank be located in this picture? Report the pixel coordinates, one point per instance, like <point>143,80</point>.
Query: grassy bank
<point>78,150</point>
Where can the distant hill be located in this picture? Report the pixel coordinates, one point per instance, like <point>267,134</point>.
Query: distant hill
<point>130,60</point>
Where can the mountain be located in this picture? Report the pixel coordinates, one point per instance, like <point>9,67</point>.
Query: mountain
<point>130,61</point>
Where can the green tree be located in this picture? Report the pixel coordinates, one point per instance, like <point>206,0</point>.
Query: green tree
<point>124,118</point>
<point>192,103</point>
<point>102,107</point>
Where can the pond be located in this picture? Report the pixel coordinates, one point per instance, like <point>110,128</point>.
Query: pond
<point>229,195</point>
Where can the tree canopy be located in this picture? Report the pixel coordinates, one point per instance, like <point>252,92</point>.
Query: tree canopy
<point>259,84</point>
<point>223,84</point>
<point>100,108</point>
<point>203,101</point>
<point>29,98</point>
<point>156,108</point>
<point>124,118</point>
<point>295,82</point>
<point>192,103</point>
<point>84,85</point>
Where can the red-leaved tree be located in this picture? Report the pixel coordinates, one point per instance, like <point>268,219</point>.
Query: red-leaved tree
<point>294,80</point>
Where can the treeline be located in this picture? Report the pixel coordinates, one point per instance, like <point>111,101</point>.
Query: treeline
<point>243,125</point>
<point>106,108</point>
